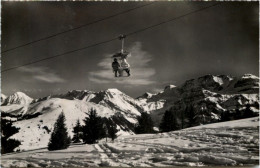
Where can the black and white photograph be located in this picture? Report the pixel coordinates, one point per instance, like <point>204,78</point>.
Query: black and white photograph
<point>129,84</point>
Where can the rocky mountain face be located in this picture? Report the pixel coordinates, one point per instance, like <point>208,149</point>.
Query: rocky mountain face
<point>16,98</point>
<point>209,96</point>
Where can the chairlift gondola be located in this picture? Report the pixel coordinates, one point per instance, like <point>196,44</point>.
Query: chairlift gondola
<point>119,59</point>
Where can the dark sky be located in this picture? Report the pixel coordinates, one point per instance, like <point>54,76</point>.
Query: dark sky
<point>219,40</point>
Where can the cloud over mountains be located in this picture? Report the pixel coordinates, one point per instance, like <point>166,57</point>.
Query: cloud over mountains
<point>43,74</point>
<point>141,70</point>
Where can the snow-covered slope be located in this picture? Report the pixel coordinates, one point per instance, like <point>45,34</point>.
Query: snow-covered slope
<point>233,143</point>
<point>35,132</point>
<point>37,121</point>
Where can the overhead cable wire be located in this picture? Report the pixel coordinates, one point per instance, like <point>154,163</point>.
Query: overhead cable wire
<point>79,27</point>
<point>59,55</point>
<point>169,20</point>
<point>110,40</point>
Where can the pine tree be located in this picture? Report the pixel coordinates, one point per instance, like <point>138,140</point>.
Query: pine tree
<point>191,116</point>
<point>112,132</point>
<point>105,128</point>
<point>182,120</point>
<point>7,130</point>
<point>222,116</point>
<point>59,137</point>
<point>202,115</point>
<point>248,112</point>
<point>93,129</point>
<point>110,128</point>
<point>238,114</point>
<point>169,122</point>
<point>226,116</point>
<point>145,124</point>
<point>77,130</point>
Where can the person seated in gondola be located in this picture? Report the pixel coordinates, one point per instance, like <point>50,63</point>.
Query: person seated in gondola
<point>115,66</point>
<point>125,66</point>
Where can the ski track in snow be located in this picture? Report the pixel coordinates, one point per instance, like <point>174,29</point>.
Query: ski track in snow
<point>222,144</point>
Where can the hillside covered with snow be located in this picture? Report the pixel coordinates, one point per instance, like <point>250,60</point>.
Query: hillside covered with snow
<point>232,143</point>
<point>208,95</point>
<point>37,121</point>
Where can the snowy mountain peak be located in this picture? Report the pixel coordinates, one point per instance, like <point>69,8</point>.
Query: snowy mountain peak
<point>213,80</point>
<point>222,83</point>
<point>246,76</point>
<point>18,98</point>
<point>75,94</point>
<point>248,83</point>
<point>78,91</point>
<point>114,90</point>
<point>169,87</point>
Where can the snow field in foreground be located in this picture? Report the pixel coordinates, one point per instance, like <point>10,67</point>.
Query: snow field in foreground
<point>223,144</point>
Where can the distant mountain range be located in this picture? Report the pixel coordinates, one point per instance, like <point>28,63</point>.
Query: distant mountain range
<point>213,94</point>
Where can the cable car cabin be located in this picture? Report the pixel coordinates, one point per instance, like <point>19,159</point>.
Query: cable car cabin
<point>120,66</point>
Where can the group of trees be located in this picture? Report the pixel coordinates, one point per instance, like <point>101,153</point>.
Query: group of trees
<point>7,130</point>
<point>94,129</point>
<point>238,114</point>
<point>145,124</point>
<point>170,121</point>
<point>174,121</point>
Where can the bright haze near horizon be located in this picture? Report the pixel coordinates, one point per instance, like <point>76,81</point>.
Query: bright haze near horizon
<point>222,39</point>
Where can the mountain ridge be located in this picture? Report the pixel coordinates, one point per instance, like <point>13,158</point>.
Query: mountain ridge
<point>213,93</point>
